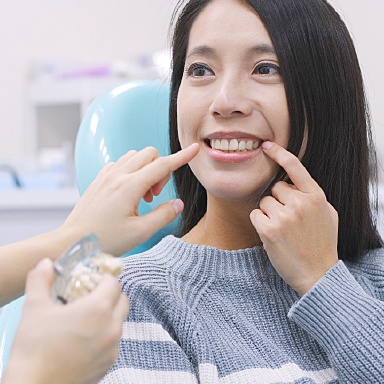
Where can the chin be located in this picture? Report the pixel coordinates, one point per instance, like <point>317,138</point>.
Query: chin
<point>237,193</point>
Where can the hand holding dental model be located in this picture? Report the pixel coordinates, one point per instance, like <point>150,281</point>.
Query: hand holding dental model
<point>80,269</point>
<point>66,344</point>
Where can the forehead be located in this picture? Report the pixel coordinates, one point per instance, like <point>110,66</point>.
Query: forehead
<point>233,21</point>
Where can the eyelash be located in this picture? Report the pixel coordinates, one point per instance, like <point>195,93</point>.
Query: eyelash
<point>269,66</point>
<point>194,66</point>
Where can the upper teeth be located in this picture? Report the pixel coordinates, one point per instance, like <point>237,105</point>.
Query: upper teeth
<point>234,145</point>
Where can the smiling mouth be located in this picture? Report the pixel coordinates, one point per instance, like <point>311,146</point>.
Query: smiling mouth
<point>233,145</point>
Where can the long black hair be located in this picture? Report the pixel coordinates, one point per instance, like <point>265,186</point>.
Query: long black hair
<point>326,100</point>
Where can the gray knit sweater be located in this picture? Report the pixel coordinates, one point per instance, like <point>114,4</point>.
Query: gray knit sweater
<point>203,315</point>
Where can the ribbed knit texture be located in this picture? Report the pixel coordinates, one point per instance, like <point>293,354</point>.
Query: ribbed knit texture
<point>203,315</point>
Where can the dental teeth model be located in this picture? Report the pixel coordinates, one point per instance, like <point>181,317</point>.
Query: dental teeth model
<point>79,270</point>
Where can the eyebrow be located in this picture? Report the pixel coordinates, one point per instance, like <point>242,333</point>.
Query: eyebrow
<point>205,50</point>
<point>263,48</point>
<point>202,50</point>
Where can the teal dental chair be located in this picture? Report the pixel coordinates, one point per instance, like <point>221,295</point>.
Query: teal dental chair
<point>133,115</point>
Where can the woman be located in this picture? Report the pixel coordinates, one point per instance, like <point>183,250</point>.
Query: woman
<point>278,275</point>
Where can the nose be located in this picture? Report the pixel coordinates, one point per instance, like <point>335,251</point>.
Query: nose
<point>231,99</point>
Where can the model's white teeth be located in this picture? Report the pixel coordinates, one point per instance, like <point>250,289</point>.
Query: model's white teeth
<point>242,146</point>
<point>234,145</point>
<point>224,145</point>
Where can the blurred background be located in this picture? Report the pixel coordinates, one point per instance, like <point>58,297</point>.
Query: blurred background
<point>57,56</point>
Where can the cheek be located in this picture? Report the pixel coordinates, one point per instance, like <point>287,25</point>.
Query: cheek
<point>282,134</point>
<point>190,114</point>
<point>281,122</point>
<point>181,128</point>
<point>181,118</point>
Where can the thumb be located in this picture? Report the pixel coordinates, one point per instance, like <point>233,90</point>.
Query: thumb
<point>160,217</point>
<point>40,280</point>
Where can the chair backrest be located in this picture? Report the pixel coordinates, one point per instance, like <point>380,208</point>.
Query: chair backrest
<point>130,116</point>
<point>9,321</point>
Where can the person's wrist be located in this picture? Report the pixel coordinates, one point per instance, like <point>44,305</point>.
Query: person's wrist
<point>21,370</point>
<point>63,237</point>
<point>311,281</point>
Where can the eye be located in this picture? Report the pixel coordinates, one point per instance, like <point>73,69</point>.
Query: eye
<point>199,70</point>
<point>267,69</point>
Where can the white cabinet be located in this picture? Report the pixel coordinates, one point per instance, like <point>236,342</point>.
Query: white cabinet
<point>25,213</point>
<point>56,107</point>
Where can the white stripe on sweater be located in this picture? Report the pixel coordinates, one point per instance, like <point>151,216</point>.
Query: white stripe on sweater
<point>287,373</point>
<point>145,332</point>
<point>139,376</point>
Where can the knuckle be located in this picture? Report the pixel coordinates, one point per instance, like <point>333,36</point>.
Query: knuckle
<point>162,161</point>
<point>298,205</point>
<point>152,151</point>
<point>284,220</point>
<point>277,186</point>
<point>271,234</point>
<point>298,209</point>
<point>333,210</point>
<point>262,204</point>
<point>127,156</point>
<point>114,184</point>
<point>106,169</point>
<point>163,164</point>
<point>318,197</point>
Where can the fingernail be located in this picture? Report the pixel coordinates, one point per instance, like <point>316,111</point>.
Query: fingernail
<point>193,145</point>
<point>177,205</point>
<point>43,263</point>
<point>266,145</point>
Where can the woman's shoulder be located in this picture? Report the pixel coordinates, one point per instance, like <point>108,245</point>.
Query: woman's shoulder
<point>370,261</point>
<point>153,266</point>
<point>369,270</point>
<point>144,277</point>
<point>155,257</point>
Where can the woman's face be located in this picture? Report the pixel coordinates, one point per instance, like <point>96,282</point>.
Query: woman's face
<point>231,99</point>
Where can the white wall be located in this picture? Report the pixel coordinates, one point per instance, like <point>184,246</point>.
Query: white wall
<point>68,30</point>
<point>365,22</point>
<point>75,29</point>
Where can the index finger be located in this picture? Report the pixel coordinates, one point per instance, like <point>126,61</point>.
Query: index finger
<point>292,165</point>
<point>160,168</point>
<point>176,160</point>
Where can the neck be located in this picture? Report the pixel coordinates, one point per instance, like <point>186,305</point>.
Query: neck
<point>226,225</point>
